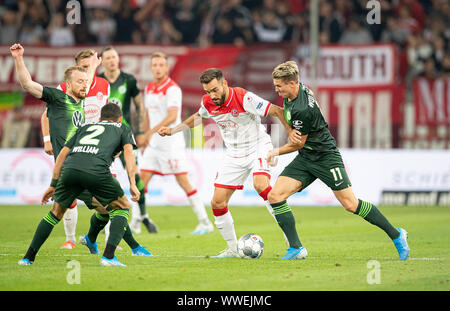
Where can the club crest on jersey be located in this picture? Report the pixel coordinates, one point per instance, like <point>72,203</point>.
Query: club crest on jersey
<point>234,112</point>
<point>77,118</point>
<point>113,100</point>
<point>297,124</point>
<point>99,96</point>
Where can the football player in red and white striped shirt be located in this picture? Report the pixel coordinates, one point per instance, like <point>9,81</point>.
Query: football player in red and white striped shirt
<point>238,114</point>
<point>166,155</point>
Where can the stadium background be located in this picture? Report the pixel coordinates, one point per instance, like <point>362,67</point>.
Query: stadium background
<point>384,88</point>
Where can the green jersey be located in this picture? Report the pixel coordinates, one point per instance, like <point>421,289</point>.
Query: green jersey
<point>121,92</point>
<point>65,115</point>
<point>303,114</point>
<point>94,146</point>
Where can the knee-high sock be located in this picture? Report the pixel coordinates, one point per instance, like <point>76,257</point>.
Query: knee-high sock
<point>119,221</point>
<point>41,234</point>
<point>198,207</point>
<point>70,223</point>
<point>141,188</point>
<point>224,222</point>
<point>372,214</point>
<point>98,222</point>
<point>127,236</point>
<point>264,195</point>
<point>286,221</point>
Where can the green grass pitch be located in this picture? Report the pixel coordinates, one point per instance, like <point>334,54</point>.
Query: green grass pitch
<point>340,246</point>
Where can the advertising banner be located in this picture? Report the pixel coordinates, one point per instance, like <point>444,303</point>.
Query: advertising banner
<point>379,176</point>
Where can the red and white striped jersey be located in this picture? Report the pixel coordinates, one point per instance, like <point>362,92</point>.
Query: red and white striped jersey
<point>96,98</point>
<point>158,100</point>
<point>239,119</point>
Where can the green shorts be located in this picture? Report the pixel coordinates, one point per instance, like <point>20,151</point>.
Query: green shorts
<point>74,184</point>
<point>329,168</point>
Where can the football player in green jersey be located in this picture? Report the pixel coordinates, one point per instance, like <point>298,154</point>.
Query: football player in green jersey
<point>318,157</point>
<point>87,157</point>
<point>124,89</point>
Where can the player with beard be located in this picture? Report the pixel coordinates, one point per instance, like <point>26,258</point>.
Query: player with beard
<point>238,114</point>
<point>96,97</point>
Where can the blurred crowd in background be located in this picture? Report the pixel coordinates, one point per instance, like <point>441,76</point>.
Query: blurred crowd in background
<point>420,28</point>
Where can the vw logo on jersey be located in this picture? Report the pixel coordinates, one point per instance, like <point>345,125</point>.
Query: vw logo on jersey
<point>77,118</point>
<point>122,89</point>
<point>113,100</point>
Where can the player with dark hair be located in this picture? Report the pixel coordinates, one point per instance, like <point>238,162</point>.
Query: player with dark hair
<point>238,113</point>
<point>124,89</point>
<point>318,157</point>
<point>87,157</point>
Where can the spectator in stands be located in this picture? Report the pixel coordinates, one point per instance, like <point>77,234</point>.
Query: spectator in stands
<point>418,51</point>
<point>300,30</point>
<point>330,22</point>
<point>429,69</point>
<point>226,33</point>
<point>393,33</point>
<point>356,33</point>
<point>445,69</point>
<point>124,14</point>
<point>102,26</point>
<point>438,51</point>
<point>10,26</point>
<point>187,21</point>
<point>269,27</point>
<point>58,32</point>
<point>31,33</point>
<point>240,17</point>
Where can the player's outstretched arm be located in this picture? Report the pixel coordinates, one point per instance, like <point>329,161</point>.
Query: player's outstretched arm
<point>45,127</point>
<point>130,166</point>
<point>23,75</point>
<point>95,62</point>
<point>189,123</point>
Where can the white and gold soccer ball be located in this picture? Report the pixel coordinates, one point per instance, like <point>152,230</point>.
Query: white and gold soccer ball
<point>250,245</point>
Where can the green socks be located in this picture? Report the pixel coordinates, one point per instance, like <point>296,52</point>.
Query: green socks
<point>286,221</point>
<point>43,231</point>
<point>119,224</point>
<point>98,222</point>
<point>141,188</point>
<point>373,215</point>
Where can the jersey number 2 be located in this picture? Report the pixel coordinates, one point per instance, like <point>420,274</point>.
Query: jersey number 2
<point>90,138</point>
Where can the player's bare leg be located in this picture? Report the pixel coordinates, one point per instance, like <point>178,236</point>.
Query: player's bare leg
<point>205,225</point>
<point>373,215</point>
<point>43,231</point>
<point>223,220</point>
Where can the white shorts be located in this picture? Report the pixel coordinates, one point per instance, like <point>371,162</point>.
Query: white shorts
<point>234,170</point>
<point>164,162</point>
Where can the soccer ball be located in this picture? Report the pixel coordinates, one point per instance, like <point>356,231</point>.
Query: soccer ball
<point>250,245</point>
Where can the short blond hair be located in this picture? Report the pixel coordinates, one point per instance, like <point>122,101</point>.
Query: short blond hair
<point>159,55</point>
<point>286,72</point>
<point>84,54</point>
<point>70,70</point>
